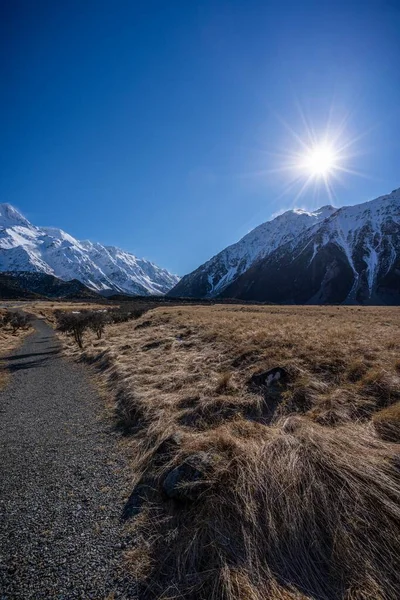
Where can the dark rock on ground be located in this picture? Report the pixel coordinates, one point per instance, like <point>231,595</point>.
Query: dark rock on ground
<point>271,377</point>
<point>142,493</point>
<point>186,481</point>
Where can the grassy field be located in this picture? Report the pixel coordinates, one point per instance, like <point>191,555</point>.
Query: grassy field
<point>248,491</point>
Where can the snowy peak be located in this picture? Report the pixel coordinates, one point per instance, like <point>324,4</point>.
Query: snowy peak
<point>11,217</point>
<point>215,275</point>
<point>108,270</point>
<point>321,213</point>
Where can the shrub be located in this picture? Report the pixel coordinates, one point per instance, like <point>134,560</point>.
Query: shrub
<point>16,320</point>
<point>97,321</point>
<point>6,318</point>
<point>124,314</point>
<point>74,323</point>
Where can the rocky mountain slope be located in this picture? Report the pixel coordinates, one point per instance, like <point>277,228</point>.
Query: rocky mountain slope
<point>105,269</point>
<point>346,255</point>
<point>10,289</point>
<point>23,285</point>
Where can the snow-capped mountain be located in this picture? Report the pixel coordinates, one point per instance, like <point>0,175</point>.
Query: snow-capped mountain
<point>211,278</point>
<point>350,254</point>
<point>105,269</point>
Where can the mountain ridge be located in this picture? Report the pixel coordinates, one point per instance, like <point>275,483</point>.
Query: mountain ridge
<point>50,250</point>
<point>364,238</point>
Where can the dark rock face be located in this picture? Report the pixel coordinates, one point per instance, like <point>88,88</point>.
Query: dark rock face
<point>11,289</point>
<point>194,285</point>
<point>325,278</point>
<point>186,481</point>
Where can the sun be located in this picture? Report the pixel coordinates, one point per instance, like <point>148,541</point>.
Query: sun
<point>320,161</point>
<point>314,158</point>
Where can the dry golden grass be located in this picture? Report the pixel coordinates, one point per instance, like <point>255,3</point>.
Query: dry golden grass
<point>9,341</point>
<point>387,423</point>
<point>300,495</point>
<point>46,309</point>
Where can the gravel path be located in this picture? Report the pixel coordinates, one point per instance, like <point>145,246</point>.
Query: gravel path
<point>62,481</point>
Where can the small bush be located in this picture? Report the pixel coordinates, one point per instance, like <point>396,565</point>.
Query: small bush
<point>6,318</point>
<point>74,323</point>
<point>16,320</point>
<point>97,321</point>
<point>124,314</point>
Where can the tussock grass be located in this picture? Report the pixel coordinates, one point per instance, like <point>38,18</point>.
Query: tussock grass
<point>387,423</point>
<point>289,492</point>
<point>295,508</point>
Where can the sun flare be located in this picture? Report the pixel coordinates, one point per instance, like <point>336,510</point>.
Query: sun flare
<point>314,158</point>
<point>320,161</point>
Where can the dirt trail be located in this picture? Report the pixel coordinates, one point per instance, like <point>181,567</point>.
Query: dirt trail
<point>62,481</point>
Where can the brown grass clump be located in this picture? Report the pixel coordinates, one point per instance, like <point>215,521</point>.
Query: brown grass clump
<point>384,386</point>
<point>224,381</point>
<point>289,491</point>
<point>387,423</point>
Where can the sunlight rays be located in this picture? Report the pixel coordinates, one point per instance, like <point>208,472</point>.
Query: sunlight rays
<point>316,158</point>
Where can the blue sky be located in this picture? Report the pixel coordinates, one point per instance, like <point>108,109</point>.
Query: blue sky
<point>162,127</point>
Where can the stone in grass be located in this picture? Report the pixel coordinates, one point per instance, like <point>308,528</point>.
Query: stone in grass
<point>125,347</point>
<point>186,481</point>
<point>141,493</point>
<point>271,377</point>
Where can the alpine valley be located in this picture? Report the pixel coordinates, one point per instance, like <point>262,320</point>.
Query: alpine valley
<point>348,255</point>
<point>25,248</point>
